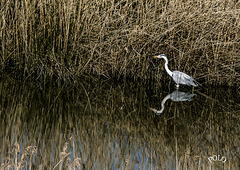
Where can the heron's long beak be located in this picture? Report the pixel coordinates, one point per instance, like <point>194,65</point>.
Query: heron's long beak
<point>155,57</point>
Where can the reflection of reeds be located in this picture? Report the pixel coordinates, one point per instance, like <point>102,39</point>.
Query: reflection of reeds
<point>69,134</point>
<point>27,153</point>
<point>65,159</point>
<point>66,39</point>
<point>12,162</point>
<point>26,160</point>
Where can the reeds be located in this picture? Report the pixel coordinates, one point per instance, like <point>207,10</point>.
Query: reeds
<point>115,39</point>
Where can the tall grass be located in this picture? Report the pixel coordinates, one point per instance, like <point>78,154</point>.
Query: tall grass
<point>115,39</point>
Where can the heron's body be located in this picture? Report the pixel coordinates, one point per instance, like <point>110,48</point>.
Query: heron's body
<point>178,77</point>
<point>182,78</point>
<point>176,96</point>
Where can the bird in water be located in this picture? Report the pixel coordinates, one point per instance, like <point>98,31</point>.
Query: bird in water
<point>176,96</point>
<point>178,77</point>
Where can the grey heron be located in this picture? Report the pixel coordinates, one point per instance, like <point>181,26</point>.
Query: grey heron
<point>176,96</point>
<point>178,77</point>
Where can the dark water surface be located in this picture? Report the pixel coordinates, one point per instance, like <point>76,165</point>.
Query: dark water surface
<point>128,126</point>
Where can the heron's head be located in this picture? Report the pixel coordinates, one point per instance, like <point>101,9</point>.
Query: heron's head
<point>160,56</point>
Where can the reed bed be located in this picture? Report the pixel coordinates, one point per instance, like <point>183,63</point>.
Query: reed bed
<point>65,40</point>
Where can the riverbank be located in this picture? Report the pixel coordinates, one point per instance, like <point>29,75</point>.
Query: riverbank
<point>66,40</point>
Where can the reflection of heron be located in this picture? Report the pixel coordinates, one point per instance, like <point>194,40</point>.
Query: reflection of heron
<point>175,96</point>
<point>178,77</point>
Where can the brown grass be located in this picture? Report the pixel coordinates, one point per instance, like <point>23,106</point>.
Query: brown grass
<point>115,39</point>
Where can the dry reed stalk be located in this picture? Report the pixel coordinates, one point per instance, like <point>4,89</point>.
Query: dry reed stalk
<point>66,39</point>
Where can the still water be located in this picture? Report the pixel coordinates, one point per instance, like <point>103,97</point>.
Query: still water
<point>101,125</point>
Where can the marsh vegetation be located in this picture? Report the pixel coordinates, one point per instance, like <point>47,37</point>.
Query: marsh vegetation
<point>65,40</point>
<point>64,103</point>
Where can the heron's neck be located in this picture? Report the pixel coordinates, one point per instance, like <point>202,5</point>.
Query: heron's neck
<point>167,69</point>
<point>163,102</point>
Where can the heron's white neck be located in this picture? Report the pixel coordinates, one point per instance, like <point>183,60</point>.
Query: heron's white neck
<point>163,102</point>
<point>166,66</point>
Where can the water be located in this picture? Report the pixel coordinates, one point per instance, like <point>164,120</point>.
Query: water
<point>116,126</point>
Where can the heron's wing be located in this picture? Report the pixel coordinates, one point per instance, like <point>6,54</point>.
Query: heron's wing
<point>181,96</point>
<point>182,78</point>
